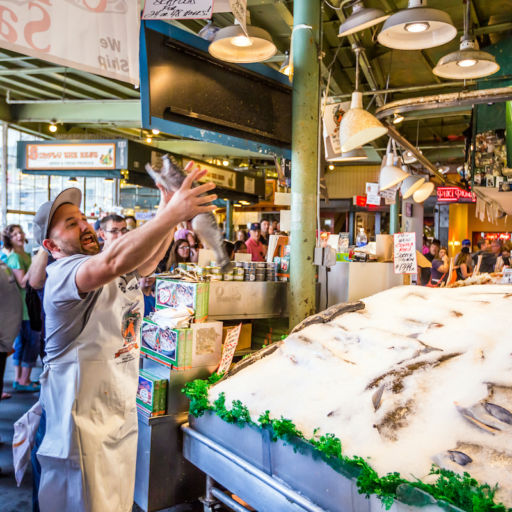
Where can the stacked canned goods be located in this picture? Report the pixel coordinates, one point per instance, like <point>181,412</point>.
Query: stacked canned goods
<point>271,273</point>
<point>238,271</point>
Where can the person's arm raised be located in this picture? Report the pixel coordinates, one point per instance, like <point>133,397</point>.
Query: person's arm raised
<point>37,271</point>
<point>130,250</point>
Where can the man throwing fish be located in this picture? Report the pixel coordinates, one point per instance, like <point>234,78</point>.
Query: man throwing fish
<point>93,313</point>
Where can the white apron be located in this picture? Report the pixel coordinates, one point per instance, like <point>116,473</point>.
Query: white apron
<point>89,450</point>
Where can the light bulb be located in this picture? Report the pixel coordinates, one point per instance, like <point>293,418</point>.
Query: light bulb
<point>241,41</point>
<point>225,163</point>
<point>417,26</point>
<point>149,140</point>
<point>398,119</point>
<point>466,63</point>
<point>155,131</point>
<point>331,167</point>
<point>52,127</point>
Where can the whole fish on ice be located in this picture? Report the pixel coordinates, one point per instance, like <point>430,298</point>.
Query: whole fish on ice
<point>171,177</point>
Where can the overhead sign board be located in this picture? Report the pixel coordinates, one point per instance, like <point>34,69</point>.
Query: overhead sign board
<point>177,9</point>
<point>70,156</point>
<point>221,178</point>
<point>454,195</point>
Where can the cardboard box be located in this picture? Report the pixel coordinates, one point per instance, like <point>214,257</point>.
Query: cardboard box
<point>151,394</point>
<point>206,344</point>
<point>171,347</point>
<point>244,342</point>
<point>172,293</point>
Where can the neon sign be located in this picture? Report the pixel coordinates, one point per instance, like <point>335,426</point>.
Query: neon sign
<point>454,195</point>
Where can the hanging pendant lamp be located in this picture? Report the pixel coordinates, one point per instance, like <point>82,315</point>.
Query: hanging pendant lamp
<point>362,17</point>
<point>391,175</point>
<point>424,192</point>
<point>350,156</point>
<point>468,61</point>
<point>410,185</point>
<point>417,27</point>
<point>231,44</point>
<point>358,127</point>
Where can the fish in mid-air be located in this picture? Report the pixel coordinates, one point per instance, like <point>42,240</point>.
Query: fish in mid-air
<point>170,176</point>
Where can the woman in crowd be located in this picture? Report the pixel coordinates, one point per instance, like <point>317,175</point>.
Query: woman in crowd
<point>504,258</point>
<point>180,254</point>
<point>240,247</point>
<point>463,264</point>
<point>195,245</point>
<point>230,249</point>
<point>26,345</point>
<point>440,267</point>
<point>241,235</point>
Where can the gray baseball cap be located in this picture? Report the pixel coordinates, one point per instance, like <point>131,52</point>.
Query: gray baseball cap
<point>44,215</point>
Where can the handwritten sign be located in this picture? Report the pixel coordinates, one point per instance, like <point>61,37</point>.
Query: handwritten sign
<point>229,348</point>
<point>405,253</point>
<point>239,8</point>
<point>372,194</point>
<point>177,9</point>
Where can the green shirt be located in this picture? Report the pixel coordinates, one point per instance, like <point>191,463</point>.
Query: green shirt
<point>20,262</point>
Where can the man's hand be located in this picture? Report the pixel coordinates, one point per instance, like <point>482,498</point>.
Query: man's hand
<point>188,201</point>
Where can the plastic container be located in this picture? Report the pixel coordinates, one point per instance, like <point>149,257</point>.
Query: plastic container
<point>361,238</point>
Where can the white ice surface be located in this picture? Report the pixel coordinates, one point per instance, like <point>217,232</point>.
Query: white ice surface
<point>319,378</point>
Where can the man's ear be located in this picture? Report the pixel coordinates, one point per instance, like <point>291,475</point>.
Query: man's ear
<point>50,245</point>
<point>101,233</point>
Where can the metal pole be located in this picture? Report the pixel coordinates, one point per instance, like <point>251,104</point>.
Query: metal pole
<point>229,220</point>
<point>394,210</point>
<point>305,111</point>
<point>3,220</point>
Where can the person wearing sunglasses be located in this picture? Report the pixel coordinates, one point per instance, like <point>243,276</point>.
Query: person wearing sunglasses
<point>112,227</point>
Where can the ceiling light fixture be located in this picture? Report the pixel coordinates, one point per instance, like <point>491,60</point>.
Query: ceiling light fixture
<point>149,140</point>
<point>155,131</point>
<point>468,61</point>
<point>417,27</point>
<point>398,118</point>
<point>52,127</point>
<point>225,163</point>
<point>109,179</point>
<point>232,44</point>
<point>361,18</point>
<point>424,192</point>
<point>72,179</point>
<point>391,175</point>
<point>358,127</point>
<point>286,67</point>
<point>410,185</point>
<point>331,167</point>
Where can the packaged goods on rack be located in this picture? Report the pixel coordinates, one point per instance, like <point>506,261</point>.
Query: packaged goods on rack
<point>172,293</point>
<point>151,394</point>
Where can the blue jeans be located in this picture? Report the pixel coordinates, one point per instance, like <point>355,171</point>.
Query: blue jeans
<point>36,467</point>
<point>26,346</point>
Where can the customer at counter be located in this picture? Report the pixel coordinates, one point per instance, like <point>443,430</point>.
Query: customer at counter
<point>489,254</point>
<point>433,253</point>
<point>463,264</point>
<point>504,259</point>
<point>264,235</point>
<point>180,253</point>
<point>254,246</point>
<point>440,267</point>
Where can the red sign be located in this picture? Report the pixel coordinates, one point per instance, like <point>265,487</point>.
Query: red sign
<point>454,195</point>
<point>498,236</point>
<point>360,201</point>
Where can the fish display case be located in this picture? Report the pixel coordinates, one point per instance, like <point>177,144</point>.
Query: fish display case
<point>278,476</point>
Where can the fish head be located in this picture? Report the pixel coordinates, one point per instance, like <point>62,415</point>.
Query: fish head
<point>166,173</point>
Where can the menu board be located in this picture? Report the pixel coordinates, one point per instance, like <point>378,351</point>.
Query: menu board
<point>405,253</point>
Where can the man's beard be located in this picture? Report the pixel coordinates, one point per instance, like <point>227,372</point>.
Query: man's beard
<point>71,248</point>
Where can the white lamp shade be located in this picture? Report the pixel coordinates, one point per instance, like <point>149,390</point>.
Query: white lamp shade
<point>231,45</point>
<point>410,185</point>
<point>361,18</point>
<point>391,175</point>
<point>424,192</point>
<point>465,64</point>
<point>358,127</point>
<point>438,29</point>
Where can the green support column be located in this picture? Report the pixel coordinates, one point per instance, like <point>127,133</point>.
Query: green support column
<point>306,66</point>
<point>229,220</point>
<point>394,219</point>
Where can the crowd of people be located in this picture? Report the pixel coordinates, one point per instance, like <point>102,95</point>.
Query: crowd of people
<point>489,256</point>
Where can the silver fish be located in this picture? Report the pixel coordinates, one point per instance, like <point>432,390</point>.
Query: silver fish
<point>171,177</point>
<point>500,413</point>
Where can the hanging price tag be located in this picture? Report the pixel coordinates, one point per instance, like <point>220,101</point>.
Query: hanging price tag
<point>229,348</point>
<point>177,9</point>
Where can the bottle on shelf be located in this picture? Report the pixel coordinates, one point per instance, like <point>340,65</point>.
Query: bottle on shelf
<point>361,238</point>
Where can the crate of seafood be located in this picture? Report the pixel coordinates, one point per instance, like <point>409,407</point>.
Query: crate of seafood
<point>173,293</point>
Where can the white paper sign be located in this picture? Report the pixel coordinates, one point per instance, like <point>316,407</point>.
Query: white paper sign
<point>332,115</point>
<point>99,36</point>
<point>405,253</point>
<point>239,8</point>
<point>372,194</point>
<point>177,9</point>
<point>71,156</point>
<point>230,345</point>
<point>389,195</point>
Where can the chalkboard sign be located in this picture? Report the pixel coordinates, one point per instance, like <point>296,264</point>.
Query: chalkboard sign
<point>405,253</point>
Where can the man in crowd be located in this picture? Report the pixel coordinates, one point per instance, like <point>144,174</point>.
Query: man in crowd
<point>434,248</point>
<point>254,246</point>
<point>489,254</point>
<point>112,227</point>
<point>94,309</point>
<point>131,222</point>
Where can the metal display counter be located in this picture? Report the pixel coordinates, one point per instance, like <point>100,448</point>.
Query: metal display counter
<point>273,476</point>
<point>239,300</point>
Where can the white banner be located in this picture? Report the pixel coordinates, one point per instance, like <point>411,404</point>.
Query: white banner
<point>71,156</point>
<point>99,36</point>
<point>177,9</point>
